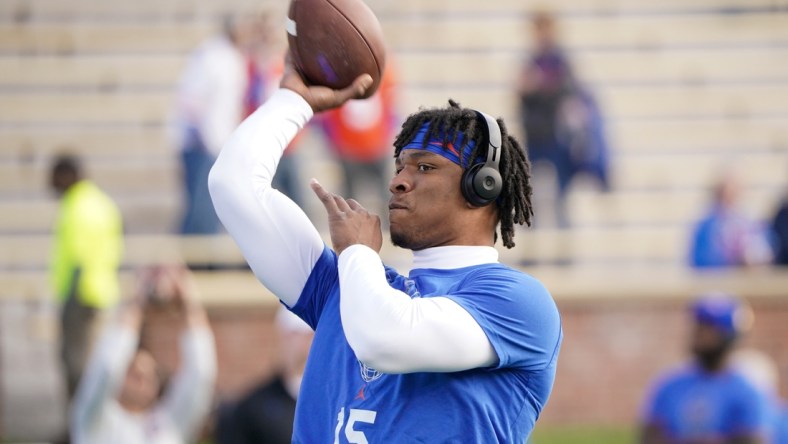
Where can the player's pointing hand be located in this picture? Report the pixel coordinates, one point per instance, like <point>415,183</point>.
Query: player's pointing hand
<point>349,223</point>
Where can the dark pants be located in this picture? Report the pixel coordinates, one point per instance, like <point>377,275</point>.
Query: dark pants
<point>80,326</point>
<point>559,156</point>
<point>199,215</point>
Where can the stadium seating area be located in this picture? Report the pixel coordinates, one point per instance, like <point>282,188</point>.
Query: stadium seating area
<point>687,87</point>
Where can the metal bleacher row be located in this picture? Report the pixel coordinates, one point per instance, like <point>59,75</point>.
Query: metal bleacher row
<point>687,87</point>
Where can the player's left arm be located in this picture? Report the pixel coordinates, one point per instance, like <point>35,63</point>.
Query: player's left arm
<point>394,333</point>
<point>387,329</point>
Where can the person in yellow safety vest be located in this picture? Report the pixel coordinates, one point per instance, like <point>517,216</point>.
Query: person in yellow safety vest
<point>88,245</point>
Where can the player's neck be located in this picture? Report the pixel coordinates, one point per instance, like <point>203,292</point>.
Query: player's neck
<point>457,256</point>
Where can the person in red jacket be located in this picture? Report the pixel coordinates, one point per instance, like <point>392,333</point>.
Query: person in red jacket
<point>360,134</point>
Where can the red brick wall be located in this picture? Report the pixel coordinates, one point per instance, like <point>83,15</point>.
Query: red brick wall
<point>612,349</point>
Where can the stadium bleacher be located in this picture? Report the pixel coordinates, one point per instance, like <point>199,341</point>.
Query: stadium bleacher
<point>686,89</point>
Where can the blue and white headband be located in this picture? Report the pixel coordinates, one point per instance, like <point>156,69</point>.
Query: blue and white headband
<point>435,145</point>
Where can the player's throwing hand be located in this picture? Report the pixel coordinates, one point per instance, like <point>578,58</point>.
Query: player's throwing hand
<point>322,98</point>
<point>349,223</point>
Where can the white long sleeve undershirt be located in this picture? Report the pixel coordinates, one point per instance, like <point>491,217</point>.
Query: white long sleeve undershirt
<point>275,236</point>
<point>394,333</point>
<point>385,327</point>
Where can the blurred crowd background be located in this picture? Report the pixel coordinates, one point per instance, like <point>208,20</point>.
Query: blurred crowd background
<point>658,133</point>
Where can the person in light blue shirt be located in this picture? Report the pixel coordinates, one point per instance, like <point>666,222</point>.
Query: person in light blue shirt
<point>707,400</point>
<point>762,371</point>
<point>781,432</point>
<point>463,349</point>
<point>725,237</point>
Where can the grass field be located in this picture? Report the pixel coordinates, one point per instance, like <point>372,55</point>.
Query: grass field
<point>575,434</point>
<point>587,434</point>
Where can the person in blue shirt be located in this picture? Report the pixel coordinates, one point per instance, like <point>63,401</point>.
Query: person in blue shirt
<point>461,350</point>
<point>761,370</point>
<point>781,432</point>
<point>725,237</point>
<point>708,401</point>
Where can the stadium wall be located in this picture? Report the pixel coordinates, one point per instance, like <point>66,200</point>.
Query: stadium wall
<point>612,349</point>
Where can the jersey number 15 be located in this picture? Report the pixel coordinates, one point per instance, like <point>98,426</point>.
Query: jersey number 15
<point>355,416</point>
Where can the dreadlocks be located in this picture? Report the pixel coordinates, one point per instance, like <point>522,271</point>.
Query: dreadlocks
<point>514,203</point>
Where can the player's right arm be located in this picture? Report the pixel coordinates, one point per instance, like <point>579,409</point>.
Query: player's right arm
<point>275,236</point>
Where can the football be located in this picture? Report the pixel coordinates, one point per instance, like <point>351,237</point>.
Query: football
<point>332,42</point>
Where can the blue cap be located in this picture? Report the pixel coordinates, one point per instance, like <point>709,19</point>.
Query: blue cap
<point>726,312</point>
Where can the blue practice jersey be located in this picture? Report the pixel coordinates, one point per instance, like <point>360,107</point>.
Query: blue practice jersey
<point>343,401</point>
<point>691,404</point>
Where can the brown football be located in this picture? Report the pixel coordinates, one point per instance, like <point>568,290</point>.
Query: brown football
<point>334,41</point>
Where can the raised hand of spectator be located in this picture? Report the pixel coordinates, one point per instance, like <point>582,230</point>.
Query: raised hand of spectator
<point>185,295</point>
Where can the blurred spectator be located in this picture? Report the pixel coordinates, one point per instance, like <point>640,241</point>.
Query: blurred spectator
<point>707,401</point>
<point>761,370</point>
<point>123,397</point>
<point>360,133</point>
<point>780,229</point>
<point>208,107</point>
<point>725,236</point>
<point>265,415</point>
<point>563,123</point>
<point>88,245</point>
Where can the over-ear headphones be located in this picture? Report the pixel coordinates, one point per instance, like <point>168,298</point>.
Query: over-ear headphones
<point>481,184</point>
